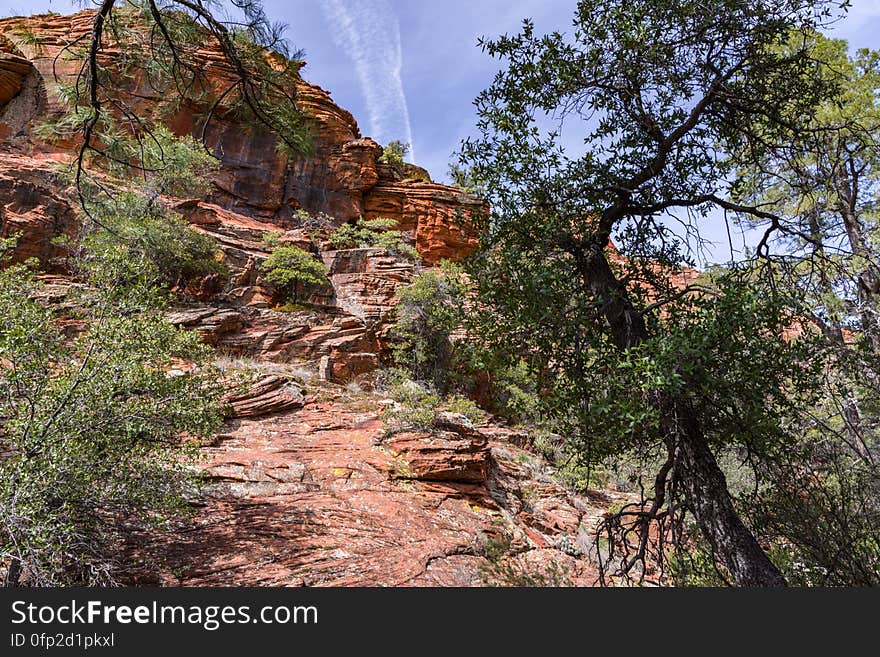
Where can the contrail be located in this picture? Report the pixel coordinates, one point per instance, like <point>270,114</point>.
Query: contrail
<point>369,32</point>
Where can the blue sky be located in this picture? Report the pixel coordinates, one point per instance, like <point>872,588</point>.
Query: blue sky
<point>410,69</point>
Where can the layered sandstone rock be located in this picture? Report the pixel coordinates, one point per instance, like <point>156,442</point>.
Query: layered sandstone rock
<point>13,70</point>
<point>256,190</point>
<point>438,217</point>
<point>314,497</point>
<point>343,179</point>
<point>454,451</point>
<point>34,207</point>
<point>271,394</point>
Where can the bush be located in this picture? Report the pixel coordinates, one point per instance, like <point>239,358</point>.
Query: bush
<point>287,267</point>
<point>515,392</point>
<point>92,431</point>
<point>430,309</point>
<point>317,226</point>
<point>416,407</point>
<point>394,153</point>
<point>513,572</point>
<point>464,406</point>
<point>136,240</point>
<point>379,232</point>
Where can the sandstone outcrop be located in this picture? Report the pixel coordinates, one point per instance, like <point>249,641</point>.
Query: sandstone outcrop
<point>34,207</point>
<point>344,178</point>
<point>271,394</point>
<point>314,497</point>
<point>442,455</point>
<point>13,71</point>
<point>256,190</point>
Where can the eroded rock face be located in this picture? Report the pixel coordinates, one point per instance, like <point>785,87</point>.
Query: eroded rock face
<point>13,71</point>
<point>255,191</point>
<point>436,216</point>
<point>344,178</point>
<point>312,497</point>
<point>35,207</point>
<point>270,394</point>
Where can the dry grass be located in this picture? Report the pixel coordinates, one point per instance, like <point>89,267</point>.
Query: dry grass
<point>302,372</point>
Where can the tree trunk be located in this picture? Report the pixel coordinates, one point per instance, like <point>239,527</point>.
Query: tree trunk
<point>13,574</point>
<point>868,280</point>
<point>710,502</point>
<point>696,468</point>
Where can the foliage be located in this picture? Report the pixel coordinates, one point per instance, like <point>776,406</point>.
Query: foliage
<point>393,154</point>
<point>162,46</point>
<point>130,232</point>
<point>821,510</point>
<point>101,408</point>
<point>693,566</point>
<point>513,572</point>
<point>464,406</point>
<point>515,389</point>
<point>821,186</point>
<point>135,239</point>
<point>466,180</point>
<point>627,358</point>
<point>317,226</point>
<point>819,189</point>
<point>165,163</point>
<point>430,309</point>
<point>92,430</point>
<point>379,233</point>
<point>416,405</point>
<point>287,267</point>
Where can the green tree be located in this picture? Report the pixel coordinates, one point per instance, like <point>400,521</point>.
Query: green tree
<point>822,185</point>
<point>289,266</point>
<point>95,429</point>
<point>656,93</point>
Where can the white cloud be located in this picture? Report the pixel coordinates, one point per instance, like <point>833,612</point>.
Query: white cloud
<point>369,33</point>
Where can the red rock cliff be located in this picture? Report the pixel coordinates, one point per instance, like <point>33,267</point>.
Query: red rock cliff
<point>343,179</point>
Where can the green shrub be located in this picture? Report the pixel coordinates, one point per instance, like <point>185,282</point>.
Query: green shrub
<point>394,153</point>
<point>136,239</point>
<point>287,267</point>
<point>394,242</point>
<point>692,565</point>
<point>418,404</point>
<point>317,226</point>
<point>464,406</point>
<point>92,427</point>
<point>416,408</point>
<point>512,572</point>
<point>379,232</point>
<point>430,309</point>
<point>516,394</point>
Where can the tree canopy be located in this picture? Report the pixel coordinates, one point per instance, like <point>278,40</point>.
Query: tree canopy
<point>636,117</point>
